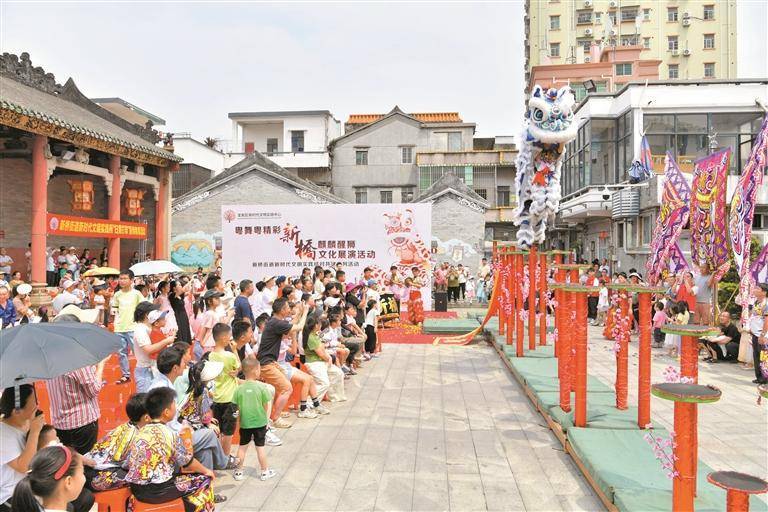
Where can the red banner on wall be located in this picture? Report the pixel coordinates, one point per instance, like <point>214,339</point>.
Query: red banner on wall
<point>67,225</point>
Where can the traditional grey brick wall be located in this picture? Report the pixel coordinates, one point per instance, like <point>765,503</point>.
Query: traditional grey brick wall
<point>457,226</point>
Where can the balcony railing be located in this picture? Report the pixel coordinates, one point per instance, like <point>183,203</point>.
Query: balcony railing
<point>482,157</point>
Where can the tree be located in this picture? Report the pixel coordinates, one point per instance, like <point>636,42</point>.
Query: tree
<point>728,287</point>
<point>211,142</point>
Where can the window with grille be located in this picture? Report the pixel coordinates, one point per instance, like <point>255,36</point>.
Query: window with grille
<point>297,141</point>
<point>672,14</point>
<point>482,192</point>
<point>674,71</point>
<point>554,50</point>
<point>629,14</point>
<point>583,17</point>
<point>386,196</point>
<point>672,43</point>
<point>502,196</point>
<point>709,12</point>
<point>406,193</point>
<point>361,196</point>
<point>624,69</point>
<point>598,17</point>
<point>709,70</point>
<point>407,155</point>
<point>646,15</point>
<point>647,42</point>
<point>554,22</point>
<point>709,41</point>
<point>271,146</point>
<point>632,40</point>
<point>361,157</point>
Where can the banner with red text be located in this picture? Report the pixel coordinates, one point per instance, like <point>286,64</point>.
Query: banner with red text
<point>273,240</point>
<point>68,225</point>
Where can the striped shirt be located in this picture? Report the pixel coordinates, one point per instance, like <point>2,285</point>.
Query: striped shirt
<point>74,398</point>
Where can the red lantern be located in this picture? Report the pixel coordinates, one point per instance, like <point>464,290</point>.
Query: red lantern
<point>82,195</point>
<point>133,198</point>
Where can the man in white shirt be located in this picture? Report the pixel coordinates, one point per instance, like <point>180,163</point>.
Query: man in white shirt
<point>65,297</point>
<point>484,269</point>
<point>5,264</point>
<point>462,281</point>
<point>50,268</point>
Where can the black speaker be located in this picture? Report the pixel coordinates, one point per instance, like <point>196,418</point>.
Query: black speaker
<point>441,301</point>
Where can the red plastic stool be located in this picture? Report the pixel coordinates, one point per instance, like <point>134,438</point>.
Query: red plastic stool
<point>113,501</point>
<point>176,505</point>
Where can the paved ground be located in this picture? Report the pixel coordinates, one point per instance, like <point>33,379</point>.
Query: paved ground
<point>425,428</point>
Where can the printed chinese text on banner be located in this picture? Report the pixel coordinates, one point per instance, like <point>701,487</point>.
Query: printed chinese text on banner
<point>675,200</point>
<point>743,208</point>
<point>709,245</point>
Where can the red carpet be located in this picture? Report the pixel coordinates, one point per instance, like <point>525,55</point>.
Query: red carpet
<point>403,332</point>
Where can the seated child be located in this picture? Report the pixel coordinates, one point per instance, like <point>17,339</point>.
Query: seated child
<point>160,464</point>
<point>254,400</point>
<point>54,481</point>
<point>332,339</point>
<point>109,454</point>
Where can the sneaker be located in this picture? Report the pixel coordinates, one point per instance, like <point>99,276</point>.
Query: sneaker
<point>281,423</point>
<point>271,439</point>
<point>321,409</point>
<point>267,474</point>
<point>239,475</point>
<point>307,413</point>
<point>367,357</point>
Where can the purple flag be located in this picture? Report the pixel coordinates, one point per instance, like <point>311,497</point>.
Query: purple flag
<point>677,262</point>
<point>759,269</point>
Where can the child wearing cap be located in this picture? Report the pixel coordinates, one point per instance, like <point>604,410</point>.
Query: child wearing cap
<point>145,315</point>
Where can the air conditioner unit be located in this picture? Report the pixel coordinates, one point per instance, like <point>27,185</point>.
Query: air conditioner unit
<point>686,53</point>
<point>588,32</point>
<point>613,4</point>
<point>675,53</point>
<point>587,59</point>
<point>614,32</point>
<point>686,15</point>
<point>686,22</point>
<point>587,3</point>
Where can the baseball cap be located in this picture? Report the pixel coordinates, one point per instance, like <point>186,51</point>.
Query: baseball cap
<point>68,283</point>
<point>156,315</point>
<point>212,293</point>
<point>24,288</point>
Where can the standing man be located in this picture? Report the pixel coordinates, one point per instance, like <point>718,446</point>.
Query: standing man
<point>124,304</point>
<point>483,270</point>
<point>462,282</point>
<point>703,289</point>
<point>5,264</point>
<point>269,350</point>
<point>243,309</point>
<point>758,328</point>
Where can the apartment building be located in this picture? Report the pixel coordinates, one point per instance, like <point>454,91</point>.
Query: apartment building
<point>693,39</point>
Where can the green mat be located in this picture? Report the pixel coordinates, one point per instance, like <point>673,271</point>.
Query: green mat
<point>622,464</point>
<point>449,325</point>
<point>540,374</point>
<point>545,352</point>
<point>547,399</point>
<point>599,416</point>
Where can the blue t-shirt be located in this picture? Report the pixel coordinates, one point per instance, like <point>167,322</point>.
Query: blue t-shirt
<point>243,309</point>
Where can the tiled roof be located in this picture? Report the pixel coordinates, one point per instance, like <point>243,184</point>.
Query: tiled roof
<point>33,103</point>
<point>424,117</point>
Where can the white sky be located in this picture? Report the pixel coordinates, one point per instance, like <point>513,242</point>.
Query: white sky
<point>192,63</point>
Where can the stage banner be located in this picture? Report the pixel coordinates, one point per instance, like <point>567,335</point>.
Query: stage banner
<point>743,208</point>
<point>68,225</point>
<point>274,240</point>
<point>709,245</point>
<point>675,201</point>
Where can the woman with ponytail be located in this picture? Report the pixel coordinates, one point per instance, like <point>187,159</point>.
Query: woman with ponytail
<point>56,477</point>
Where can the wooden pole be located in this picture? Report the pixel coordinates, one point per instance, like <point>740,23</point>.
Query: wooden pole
<point>644,363</point>
<point>501,263</point>
<point>684,483</point>
<point>508,287</point>
<point>543,272</point>
<point>622,356</point>
<point>532,258</point>
<point>519,327</point>
<point>563,344</point>
<point>580,414</point>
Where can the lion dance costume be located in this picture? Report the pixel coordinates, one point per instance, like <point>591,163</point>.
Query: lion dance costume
<point>548,128</point>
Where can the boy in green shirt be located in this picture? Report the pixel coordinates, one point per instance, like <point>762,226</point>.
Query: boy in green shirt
<point>224,409</point>
<point>255,402</point>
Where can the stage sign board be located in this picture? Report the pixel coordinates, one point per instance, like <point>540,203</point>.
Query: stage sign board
<point>273,240</point>
<point>68,225</point>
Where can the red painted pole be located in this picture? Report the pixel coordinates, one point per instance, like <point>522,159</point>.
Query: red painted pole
<point>644,363</point>
<point>519,328</point>
<point>501,263</point>
<point>573,278</point>
<point>543,299</point>
<point>563,346</point>
<point>509,297</point>
<point>580,414</point>
<point>689,367</point>
<point>113,244</point>
<point>622,356</point>
<point>684,483</point>
<point>39,209</point>
<point>532,257</point>
<point>161,210</point>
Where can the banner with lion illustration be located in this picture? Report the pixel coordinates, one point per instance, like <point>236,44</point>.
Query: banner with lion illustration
<point>279,240</point>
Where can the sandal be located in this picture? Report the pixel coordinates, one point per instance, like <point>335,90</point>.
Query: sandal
<point>233,462</point>
<point>123,380</point>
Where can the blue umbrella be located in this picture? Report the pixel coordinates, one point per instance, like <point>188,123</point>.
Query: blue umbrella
<point>33,352</point>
